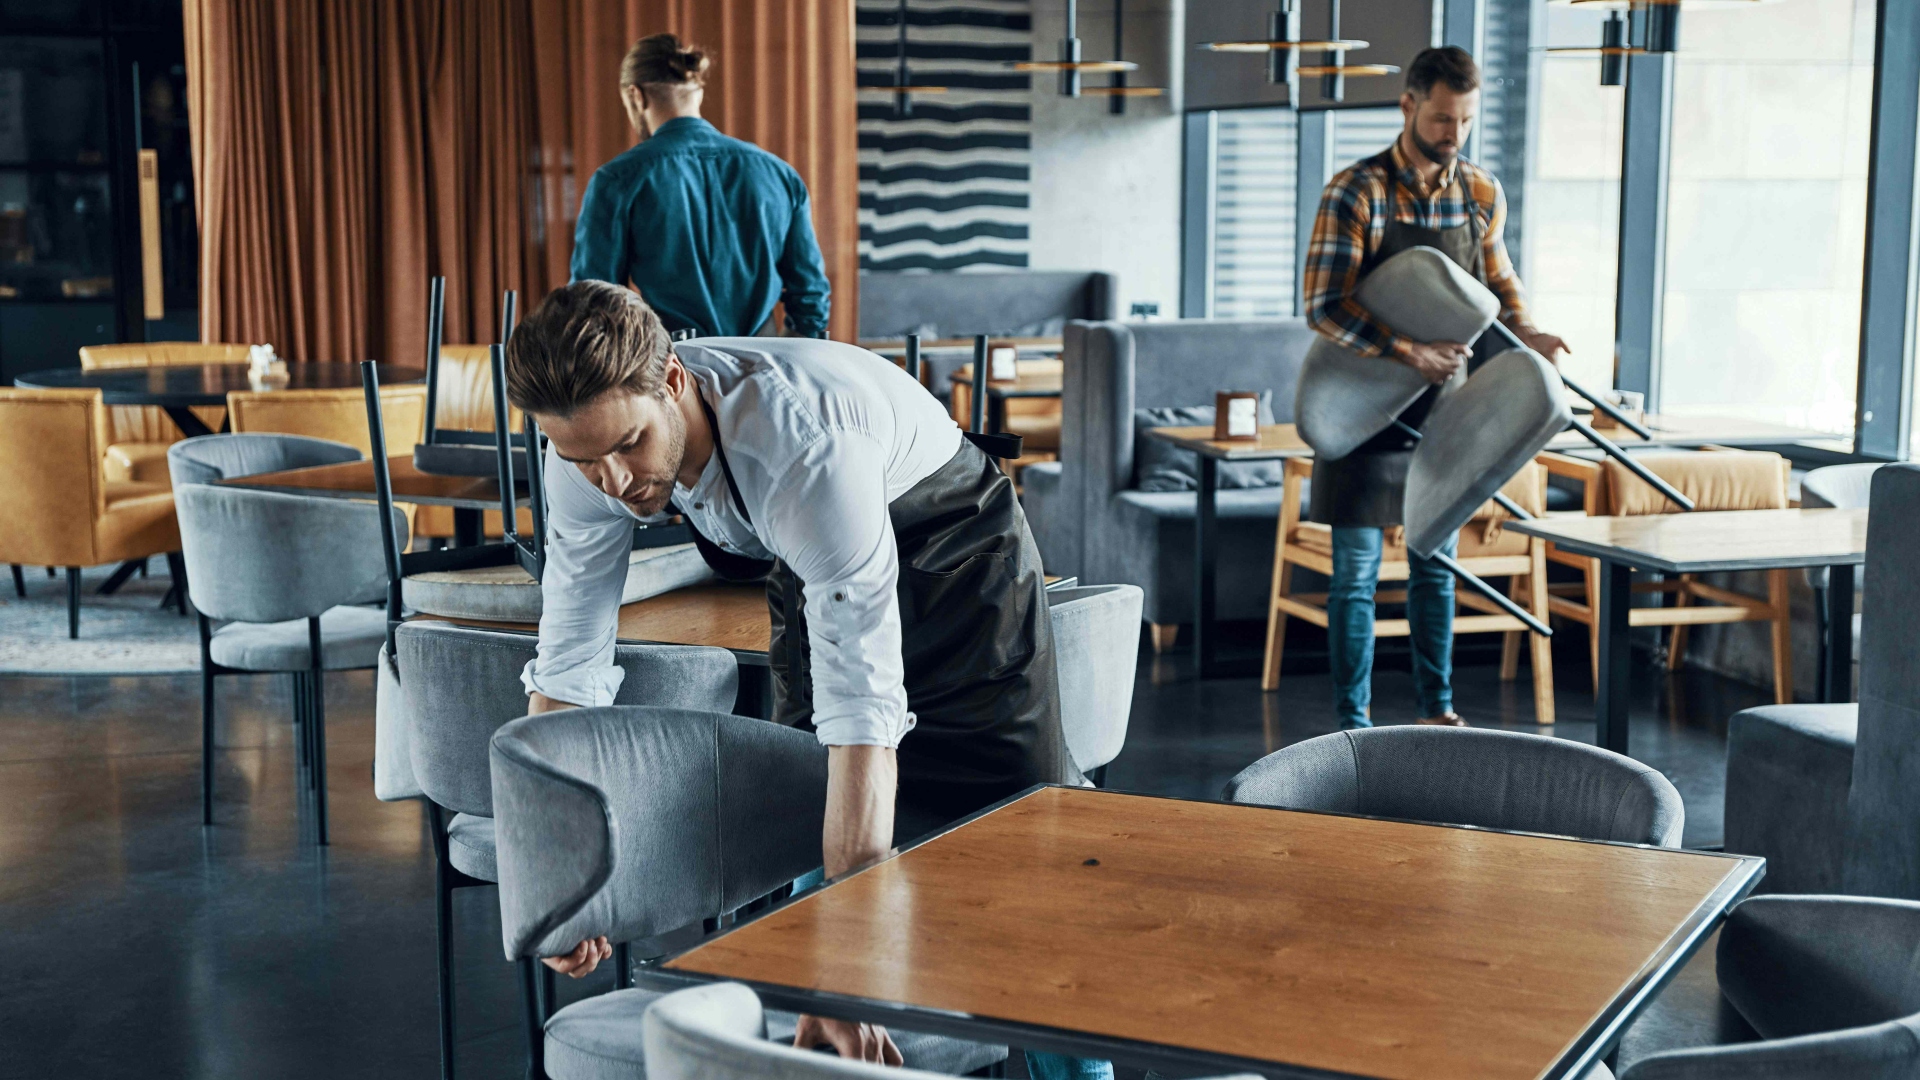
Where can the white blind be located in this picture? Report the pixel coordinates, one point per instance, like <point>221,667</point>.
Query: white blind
<point>1359,133</point>
<point>1256,150</point>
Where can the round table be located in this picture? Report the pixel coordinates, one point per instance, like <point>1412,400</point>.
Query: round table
<point>177,389</point>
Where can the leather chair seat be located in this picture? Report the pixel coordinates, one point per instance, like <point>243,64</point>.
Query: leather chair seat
<point>138,521</point>
<point>509,594</point>
<point>350,640</point>
<point>600,1039</point>
<point>141,462</point>
<point>470,846</point>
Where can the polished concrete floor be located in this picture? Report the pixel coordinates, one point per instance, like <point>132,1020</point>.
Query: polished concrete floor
<point>133,942</point>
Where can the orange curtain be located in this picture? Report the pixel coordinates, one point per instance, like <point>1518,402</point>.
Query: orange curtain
<point>347,150</point>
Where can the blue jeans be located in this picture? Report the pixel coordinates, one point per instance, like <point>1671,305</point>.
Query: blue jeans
<point>1054,1067</point>
<point>1356,573</point>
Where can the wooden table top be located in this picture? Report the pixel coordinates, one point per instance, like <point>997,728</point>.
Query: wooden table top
<point>1707,541</point>
<point>1038,379</point>
<point>354,480</point>
<point>1276,441</point>
<point>721,615</point>
<point>1238,934</point>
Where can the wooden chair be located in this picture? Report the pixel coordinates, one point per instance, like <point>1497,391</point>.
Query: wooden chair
<point>61,508</point>
<point>1716,480</point>
<point>464,403</point>
<point>1035,420</point>
<point>138,435</point>
<point>1486,549</point>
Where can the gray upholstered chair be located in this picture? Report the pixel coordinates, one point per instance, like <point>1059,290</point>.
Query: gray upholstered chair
<point>1470,776</point>
<point>632,822</point>
<point>719,1032</point>
<point>455,687</point>
<point>1096,643</point>
<point>1012,303</point>
<point>1087,512</point>
<point>211,458</point>
<point>1828,983</point>
<point>1846,486</point>
<point>286,574</point>
<point>1826,792</point>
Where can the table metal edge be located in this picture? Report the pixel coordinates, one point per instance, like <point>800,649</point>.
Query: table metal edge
<point>1606,1029</point>
<point>1646,982</point>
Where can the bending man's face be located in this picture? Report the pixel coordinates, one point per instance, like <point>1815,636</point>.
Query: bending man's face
<point>1440,122</point>
<point>629,445</point>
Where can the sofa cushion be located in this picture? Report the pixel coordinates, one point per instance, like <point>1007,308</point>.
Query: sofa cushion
<point>1789,772</point>
<point>1160,466</point>
<point>140,462</point>
<point>1151,545</point>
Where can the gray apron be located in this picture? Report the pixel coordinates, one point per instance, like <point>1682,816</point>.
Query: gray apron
<point>976,640</point>
<point>1368,487</point>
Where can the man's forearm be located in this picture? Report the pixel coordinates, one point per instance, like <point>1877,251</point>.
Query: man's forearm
<point>861,781</point>
<point>538,703</point>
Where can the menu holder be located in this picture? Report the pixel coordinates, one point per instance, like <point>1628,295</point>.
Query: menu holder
<point>1003,364</point>
<point>1236,416</point>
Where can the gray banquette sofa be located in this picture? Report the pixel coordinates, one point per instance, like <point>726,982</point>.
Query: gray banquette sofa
<point>1086,511</point>
<point>1012,303</point>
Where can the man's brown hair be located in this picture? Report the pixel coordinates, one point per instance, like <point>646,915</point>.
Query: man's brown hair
<point>583,340</point>
<point>662,62</point>
<point>1448,64</point>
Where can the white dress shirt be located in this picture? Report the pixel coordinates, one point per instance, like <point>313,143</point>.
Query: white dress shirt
<point>821,436</point>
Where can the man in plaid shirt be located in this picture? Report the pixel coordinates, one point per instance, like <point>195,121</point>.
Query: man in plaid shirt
<point>1417,192</point>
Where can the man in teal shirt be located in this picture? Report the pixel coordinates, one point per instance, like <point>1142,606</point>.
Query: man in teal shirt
<point>712,230</point>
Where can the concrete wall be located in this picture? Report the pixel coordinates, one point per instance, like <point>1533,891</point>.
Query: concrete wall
<point>1106,188</point>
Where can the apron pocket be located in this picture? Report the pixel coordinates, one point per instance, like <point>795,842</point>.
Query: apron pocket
<point>963,624</point>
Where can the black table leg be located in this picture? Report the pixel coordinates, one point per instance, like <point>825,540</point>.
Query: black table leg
<point>996,413</point>
<point>1839,673</point>
<point>189,424</point>
<point>120,575</point>
<point>466,527</point>
<point>1205,536</point>
<point>1610,711</point>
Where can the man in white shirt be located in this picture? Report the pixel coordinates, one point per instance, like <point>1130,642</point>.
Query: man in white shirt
<point>910,622</point>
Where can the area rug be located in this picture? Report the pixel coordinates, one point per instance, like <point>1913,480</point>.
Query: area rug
<point>124,634</point>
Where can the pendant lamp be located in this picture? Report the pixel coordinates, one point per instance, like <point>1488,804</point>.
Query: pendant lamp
<point>1284,45</point>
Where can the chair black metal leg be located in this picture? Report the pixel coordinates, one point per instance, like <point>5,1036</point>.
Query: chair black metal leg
<point>622,967</point>
<point>177,570</point>
<point>206,723</point>
<point>319,726</point>
<point>443,924</point>
<point>51,572</point>
<point>73,601</point>
<point>536,1035</point>
<point>19,581</point>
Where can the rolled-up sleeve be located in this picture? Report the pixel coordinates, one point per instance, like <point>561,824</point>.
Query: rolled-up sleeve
<point>832,529</point>
<point>588,542</point>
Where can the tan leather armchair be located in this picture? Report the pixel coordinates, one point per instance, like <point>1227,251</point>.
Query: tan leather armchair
<point>1486,549</point>
<point>138,435</point>
<point>339,415</point>
<point>1716,480</point>
<point>464,403</point>
<point>61,509</point>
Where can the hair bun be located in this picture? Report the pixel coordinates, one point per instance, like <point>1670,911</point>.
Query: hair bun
<point>663,60</point>
<point>689,63</point>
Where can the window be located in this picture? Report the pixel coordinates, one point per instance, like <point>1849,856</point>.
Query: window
<point>1254,176</point>
<point>1766,212</point>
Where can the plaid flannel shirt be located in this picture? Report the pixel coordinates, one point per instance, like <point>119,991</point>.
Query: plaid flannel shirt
<point>1352,221</point>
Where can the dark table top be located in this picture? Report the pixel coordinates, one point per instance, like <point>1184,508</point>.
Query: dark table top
<point>205,384</point>
<point>1705,542</point>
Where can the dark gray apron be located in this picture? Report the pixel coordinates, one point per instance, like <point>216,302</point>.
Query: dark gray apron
<point>1368,487</point>
<point>976,639</point>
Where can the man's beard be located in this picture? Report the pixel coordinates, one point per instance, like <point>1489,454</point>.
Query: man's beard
<point>676,448</point>
<point>1437,155</point>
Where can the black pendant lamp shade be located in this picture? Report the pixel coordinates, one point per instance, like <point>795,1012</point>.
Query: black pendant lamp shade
<point>1284,45</point>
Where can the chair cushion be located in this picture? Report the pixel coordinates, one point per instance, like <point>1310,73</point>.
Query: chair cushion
<point>600,1039</point>
<point>1789,773</point>
<point>1714,480</point>
<point>139,521</point>
<point>470,846</point>
<point>142,462</point>
<point>350,640</point>
<point>1482,537</point>
<point>1160,466</point>
<point>120,491</point>
<point>509,594</point>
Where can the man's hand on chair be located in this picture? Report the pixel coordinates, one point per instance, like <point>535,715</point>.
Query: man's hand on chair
<point>854,1041</point>
<point>582,960</point>
<point>1436,360</point>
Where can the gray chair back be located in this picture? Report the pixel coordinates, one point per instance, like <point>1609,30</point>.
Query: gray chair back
<point>1096,643</point>
<point>1845,486</point>
<point>719,1032</point>
<point>630,822</point>
<point>1883,803</point>
<point>263,557</point>
<point>208,458</point>
<point>1830,983</point>
<point>460,685</point>
<point>1470,776</point>
<point>1014,303</point>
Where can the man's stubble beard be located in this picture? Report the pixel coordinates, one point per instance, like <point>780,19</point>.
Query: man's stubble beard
<point>1433,153</point>
<point>676,456</point>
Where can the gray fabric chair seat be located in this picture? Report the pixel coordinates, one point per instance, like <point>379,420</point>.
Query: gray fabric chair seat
<point>601,1039</point>
<point>1470,776</point>
<point>470,846</point>
<point>350,640</point>
<point>510,594</point>
<point>1789,771</point>
<point>1153,548</point>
